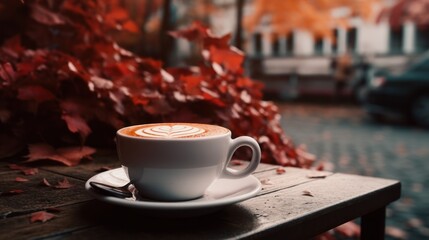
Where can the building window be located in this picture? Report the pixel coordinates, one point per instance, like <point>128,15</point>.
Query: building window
<point>257,41</point>
<point>290,43</point>
<point>396,40</point>
<point>276,45</point>
<point>336,35</point>
<point>422,39</point>
<point>352,39</point>
<point>318,46</point>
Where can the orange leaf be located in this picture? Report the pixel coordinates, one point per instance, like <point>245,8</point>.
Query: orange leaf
<point>131,26</point>
<point>41,216</point>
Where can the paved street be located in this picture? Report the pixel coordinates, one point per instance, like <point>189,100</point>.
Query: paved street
<point>348,141</point>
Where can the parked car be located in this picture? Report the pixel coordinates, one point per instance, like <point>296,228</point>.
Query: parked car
<point>403,94</point>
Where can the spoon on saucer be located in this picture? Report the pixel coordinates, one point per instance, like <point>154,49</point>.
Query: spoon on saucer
<point>121,191</point>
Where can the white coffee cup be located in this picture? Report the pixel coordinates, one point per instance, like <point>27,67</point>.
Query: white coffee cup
<point>179,161</point>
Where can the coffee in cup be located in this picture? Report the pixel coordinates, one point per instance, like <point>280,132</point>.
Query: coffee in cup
<point>179,161</point>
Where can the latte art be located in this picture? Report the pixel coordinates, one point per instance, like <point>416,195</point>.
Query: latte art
<point>175,131</point>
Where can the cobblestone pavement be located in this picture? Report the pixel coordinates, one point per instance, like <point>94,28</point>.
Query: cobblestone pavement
<point>348,141</point>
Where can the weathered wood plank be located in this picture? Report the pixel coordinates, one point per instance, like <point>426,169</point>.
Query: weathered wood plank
<point>284,214</point>
<point>272,181</point>
<point>336,199</point>
<point>68,218</point>
<point>35,195</point>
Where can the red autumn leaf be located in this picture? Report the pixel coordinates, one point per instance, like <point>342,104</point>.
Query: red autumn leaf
<point>280,170</point>
<point>348,229</point>
<point>20,179</point>
<point>77,124</point>
<point>7,73</point>
<point>197,30</point>
<point>231,60</point>
<point>117,15</point>
<point>64,184</point>
<point>35,93</point>
<point>41,216</point>
<point>192,84</point>
<point>131,26</point>
<point>13,47</point>
<point>30,171</point>
<point>45,16</point>
<point>70,156</point>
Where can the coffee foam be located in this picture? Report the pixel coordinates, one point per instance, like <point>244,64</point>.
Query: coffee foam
<point>174,130</point>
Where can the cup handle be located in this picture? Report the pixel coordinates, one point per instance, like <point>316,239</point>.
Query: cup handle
<point>254,162</point>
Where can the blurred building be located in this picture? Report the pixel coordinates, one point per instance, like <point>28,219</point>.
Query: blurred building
<point>299,64</point>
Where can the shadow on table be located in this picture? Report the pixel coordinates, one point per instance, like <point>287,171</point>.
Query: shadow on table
<point>224,223</point>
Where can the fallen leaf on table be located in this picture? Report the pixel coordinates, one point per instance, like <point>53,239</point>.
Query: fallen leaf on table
<point>307,193</point>
<point>266,181</point>
<point>30,171</point>
<point>41,216</point>
<point>20,179</point>
<point>317,175</point>
<point>280,170</point>
<point>63,184</point>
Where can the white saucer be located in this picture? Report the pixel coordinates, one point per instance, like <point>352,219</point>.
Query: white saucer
<point>221,193</point>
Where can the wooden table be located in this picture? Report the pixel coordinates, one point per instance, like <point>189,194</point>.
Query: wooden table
<point>281,210</point>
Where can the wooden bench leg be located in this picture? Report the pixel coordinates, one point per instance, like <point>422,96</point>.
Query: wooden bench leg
<point>373,225</point>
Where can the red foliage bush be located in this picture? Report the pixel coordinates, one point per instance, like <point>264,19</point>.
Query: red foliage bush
<point>64,82</point>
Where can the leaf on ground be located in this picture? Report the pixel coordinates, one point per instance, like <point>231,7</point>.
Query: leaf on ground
<point>396,232</point>
<point>69,156</point>
<point>20,179</point>
<point>307,193</point>
<point>41,216</point>
<point>348,229</point>
<point>30,171</point>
